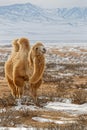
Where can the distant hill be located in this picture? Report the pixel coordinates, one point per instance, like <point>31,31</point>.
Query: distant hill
<point>48,25</point>
<point>28,12</point>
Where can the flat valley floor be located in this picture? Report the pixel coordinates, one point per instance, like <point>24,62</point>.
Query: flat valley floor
<point>62,95</point>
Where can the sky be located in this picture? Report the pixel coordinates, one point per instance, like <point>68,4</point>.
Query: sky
<point>48,3</point>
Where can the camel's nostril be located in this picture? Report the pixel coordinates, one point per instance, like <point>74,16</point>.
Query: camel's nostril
<point>44,50</point>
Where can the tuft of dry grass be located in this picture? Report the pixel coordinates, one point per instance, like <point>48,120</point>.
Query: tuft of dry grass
<point>6,101</point>
<point>79,96</point>
<point>8,118</point>
<point>82,119</point>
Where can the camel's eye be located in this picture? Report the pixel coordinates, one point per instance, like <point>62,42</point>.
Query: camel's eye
<point>36,48</point>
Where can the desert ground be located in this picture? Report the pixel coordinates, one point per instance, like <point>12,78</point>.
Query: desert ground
<point>62,95</point>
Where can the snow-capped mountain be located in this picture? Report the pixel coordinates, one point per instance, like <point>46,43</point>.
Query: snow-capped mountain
<point>28,12</point>
<point>25,12</point>
<point>49,25</point>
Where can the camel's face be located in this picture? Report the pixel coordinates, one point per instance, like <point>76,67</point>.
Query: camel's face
<point>42,49</point>
<point>39,49</point>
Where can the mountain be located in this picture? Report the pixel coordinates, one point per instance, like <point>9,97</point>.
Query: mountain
<point>29,12</point>
<point>39,24</point>
<point>25,12</point>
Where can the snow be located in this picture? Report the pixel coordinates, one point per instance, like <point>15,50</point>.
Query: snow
<point>2,110</point>
<point>67,74</point>
<point>76,57</point>
<point>40,119</point>
<point>63,105</point>
<point>67,107</point>
<point>23,107</point>
<point>17,128</point>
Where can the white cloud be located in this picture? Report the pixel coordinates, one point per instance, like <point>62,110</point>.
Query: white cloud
<point>48,3</point>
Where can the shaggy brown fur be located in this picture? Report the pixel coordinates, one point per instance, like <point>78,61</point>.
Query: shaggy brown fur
<point>20,69</point>
<point>16,68</point>
<point>36,63</point>
<point>15,46</point>
<point>9,67</point>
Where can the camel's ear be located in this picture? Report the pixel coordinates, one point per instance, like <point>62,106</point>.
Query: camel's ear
<point>38,71</point>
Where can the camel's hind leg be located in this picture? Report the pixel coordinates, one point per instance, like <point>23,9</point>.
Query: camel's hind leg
<point>12,86</point>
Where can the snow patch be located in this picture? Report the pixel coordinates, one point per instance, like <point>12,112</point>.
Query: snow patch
<point>40,119</point>
<point>2,110</point>
<point>67,107</point>
<point>17,128</point>
<point>67,74</point>
<point>25,107</point>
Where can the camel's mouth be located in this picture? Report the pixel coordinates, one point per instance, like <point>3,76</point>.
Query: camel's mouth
<point>43,50</point>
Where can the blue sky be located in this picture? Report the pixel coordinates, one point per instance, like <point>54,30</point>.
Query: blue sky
<point>48,3</point>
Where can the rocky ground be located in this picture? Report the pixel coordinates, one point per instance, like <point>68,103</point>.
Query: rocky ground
<point>62,96</point>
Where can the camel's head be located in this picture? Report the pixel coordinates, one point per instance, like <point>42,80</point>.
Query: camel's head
<point>39,49</point>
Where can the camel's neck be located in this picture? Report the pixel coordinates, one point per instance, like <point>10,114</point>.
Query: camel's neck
<point>40,57</point>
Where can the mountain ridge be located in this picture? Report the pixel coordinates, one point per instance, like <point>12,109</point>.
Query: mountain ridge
<point>29,12</point>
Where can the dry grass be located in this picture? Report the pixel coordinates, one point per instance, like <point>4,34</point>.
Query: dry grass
<point>11,118</point>
<point>56,84</point>
<point>80,97</point>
